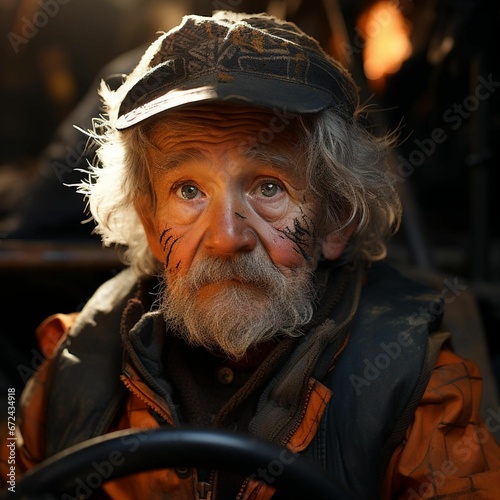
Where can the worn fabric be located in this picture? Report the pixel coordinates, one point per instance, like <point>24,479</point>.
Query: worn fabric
<point>448,450</point>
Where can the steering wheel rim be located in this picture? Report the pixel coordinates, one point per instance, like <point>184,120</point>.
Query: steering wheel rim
<point>143,450</point>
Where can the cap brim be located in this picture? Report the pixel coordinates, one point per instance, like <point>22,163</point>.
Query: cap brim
<point>284,96</point>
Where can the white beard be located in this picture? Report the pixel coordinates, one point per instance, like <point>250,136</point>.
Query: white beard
<point>237,315</point>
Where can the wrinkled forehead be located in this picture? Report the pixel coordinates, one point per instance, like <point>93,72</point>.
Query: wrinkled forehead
<point>257,126</point>
<point>250,131</point>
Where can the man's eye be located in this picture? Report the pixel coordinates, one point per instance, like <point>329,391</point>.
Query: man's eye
<point>188,192</point>
<point>270,189</point>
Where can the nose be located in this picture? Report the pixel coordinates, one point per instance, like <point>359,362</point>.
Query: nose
<point>228,230</point>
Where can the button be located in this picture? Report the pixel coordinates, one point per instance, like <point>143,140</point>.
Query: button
<point>225,375</point>
<point>184,472</point>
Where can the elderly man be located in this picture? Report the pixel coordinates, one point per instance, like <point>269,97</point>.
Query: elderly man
<point>235,168</point>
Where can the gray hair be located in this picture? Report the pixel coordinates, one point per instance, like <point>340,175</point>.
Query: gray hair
<point>347,167</point>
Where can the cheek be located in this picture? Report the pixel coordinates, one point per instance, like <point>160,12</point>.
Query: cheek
<point>293,243</point>
<point>177,249</point>
<point>286,254</point>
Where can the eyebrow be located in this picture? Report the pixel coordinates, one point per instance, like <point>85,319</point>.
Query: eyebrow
<point>285,163</point>
<point>171,161</point>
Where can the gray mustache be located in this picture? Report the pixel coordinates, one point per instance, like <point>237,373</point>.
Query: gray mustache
<point>245,268</point>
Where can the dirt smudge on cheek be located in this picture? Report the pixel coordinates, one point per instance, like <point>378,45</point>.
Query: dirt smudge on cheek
<point>168,240</point>
<point>301,234</point>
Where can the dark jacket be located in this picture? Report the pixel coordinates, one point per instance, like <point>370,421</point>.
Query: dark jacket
<point>342,395</point>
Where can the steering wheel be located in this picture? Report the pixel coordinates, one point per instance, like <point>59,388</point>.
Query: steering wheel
<point>130,451</point>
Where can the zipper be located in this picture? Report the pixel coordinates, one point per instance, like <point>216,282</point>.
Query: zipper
<point>129,384</point>
<point>136,365</point>
<point>243,488</point>
<point>204,489</point>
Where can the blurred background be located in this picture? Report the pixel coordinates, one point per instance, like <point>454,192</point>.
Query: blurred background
<point>429,68</point>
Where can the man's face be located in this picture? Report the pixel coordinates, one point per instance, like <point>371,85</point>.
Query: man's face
<point>235,230</point>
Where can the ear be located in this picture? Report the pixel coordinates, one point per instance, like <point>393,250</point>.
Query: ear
<point>333,245</point>
<point>146,214</point>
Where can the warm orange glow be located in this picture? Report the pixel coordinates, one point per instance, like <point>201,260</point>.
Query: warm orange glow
<point>386,39</point>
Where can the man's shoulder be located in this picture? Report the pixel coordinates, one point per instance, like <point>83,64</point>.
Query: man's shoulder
<point>109,299</point>
<point>391,334</point>
<point>390,294</point>
<point>386,275</point>
<point>116,288</point>
<point>380,376</point>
